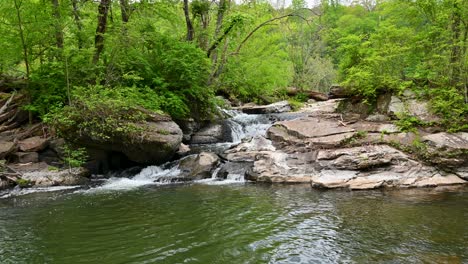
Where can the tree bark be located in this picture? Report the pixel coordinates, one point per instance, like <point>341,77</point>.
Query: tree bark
<point>79,25</point>
<point>23,41</point>
<point>58,27</point>
<point>103,10</point>
<point>223,5</point>
<point>124,9</point>
<point>190,30</point>
<point>455,56</point>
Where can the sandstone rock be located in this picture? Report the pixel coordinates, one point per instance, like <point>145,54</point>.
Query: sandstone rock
<point>25,157</point>
<point>200,166</point>
<point>311,127</point>
<point>7,148</point>
<point>396,106</point>
<point>156,142</point>
<point>247,150</point>
<point>333,178</point>
<point>281,167</point>
<point>439,180</point>
<point>443,140</point>
<point>234,170</point>
<point>377,118</point>
<point>359,158</point>
<point>421,110</point>
<point>213,133</point>
<point>278,107</point>
<point>33,144</point>
<point>43,178</point>
<point>413,107</point>
<point>462,172</point>
<point>189,126</point>
<point>183,149</point>
<point>386,128</point>
<point>318,108</point>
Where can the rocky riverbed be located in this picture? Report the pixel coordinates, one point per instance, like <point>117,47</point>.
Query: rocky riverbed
<point>329,144</point>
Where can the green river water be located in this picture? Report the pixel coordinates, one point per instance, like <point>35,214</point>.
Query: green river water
<point>236,223</point>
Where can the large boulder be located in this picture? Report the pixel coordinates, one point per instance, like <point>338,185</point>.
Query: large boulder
<point>212,133</point>
<point>43,178</point>
<point>449,150</point>
<point>155,141</point>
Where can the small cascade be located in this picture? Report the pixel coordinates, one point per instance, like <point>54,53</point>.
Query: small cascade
<point>237,127</point>
<point>243,125</point>
<point>150,175</point>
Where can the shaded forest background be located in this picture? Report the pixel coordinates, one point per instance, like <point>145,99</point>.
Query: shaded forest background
<point>94,62</point>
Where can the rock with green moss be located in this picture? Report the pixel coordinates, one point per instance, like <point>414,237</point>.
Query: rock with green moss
<point>154,140</point>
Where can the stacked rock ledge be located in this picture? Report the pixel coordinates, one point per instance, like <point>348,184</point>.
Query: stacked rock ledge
<point>329,151</point>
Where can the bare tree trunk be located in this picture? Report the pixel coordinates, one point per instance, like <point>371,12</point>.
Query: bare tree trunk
<point>124,9</point>
<point>103,10</point>
<point>223,5</point>
<point>455,55</point>
<point>58,28</point>
<point>190,30</point>
<point>79,25</point>
<point>21,32</point>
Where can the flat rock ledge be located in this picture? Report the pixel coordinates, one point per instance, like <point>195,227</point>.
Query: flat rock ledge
<point>326,151</point>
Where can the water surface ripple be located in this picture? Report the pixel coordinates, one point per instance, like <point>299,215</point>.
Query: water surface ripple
<point>243,223</point>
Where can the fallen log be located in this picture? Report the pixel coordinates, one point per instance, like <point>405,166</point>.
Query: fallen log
<point>293,91</point>
<point>5,106</point>
<point>7,115</point>
<point>337,91</point>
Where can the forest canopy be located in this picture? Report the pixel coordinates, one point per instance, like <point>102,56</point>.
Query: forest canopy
<point>174,56</point>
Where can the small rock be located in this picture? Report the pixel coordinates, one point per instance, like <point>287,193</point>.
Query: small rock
<point>58,145</point>
<point>377,118</point>
<point>183,149</point>
<point>396,106</point>
<point>6,148</point>
<point>25,157</point>
<point>33,144</point>
<point>200,166</point>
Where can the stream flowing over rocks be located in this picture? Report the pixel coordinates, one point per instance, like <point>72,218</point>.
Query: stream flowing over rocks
<point>269,144</point>
<point>319,146</point>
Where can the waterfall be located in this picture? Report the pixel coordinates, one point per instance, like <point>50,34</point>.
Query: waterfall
<point>237,126</point>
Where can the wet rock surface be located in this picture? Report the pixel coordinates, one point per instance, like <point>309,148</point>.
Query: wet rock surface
<point>329,151</point>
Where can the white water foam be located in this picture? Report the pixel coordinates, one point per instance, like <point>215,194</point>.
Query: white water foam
<point>24,191</point>
<point>152,175</point>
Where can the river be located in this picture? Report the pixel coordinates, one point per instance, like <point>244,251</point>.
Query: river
<point>144,219</point>
<point>235,223</point>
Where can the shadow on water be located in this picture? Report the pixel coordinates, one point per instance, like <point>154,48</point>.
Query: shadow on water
<point>237,223</point>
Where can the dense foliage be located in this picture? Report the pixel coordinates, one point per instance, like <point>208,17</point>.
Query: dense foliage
<point>174,56</point>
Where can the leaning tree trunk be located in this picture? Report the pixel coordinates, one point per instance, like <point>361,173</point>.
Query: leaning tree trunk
<point>103,10</point>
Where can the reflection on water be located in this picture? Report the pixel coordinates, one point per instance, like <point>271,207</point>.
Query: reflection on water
<point>239,223</point>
